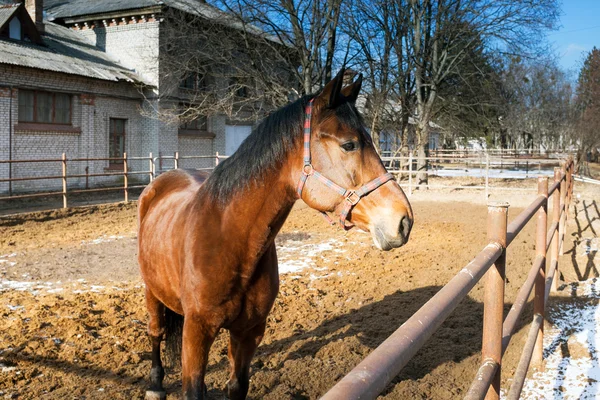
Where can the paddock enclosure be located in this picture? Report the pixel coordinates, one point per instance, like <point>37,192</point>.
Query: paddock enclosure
<point>74,320</point>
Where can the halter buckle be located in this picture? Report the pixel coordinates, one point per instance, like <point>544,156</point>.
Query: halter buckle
<point>308,169</point>
<point>352,197</point>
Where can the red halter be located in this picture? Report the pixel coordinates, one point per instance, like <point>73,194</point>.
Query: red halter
<point>351,197</point>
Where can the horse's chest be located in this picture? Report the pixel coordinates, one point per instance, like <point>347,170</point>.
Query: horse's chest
<point>256,300</point>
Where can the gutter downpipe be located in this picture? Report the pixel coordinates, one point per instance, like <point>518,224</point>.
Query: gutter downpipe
<point>10,134</point>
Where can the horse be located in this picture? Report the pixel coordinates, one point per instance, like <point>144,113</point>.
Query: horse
<point>206,246</point>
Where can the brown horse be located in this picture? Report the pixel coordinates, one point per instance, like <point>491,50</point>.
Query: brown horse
<point>206,243</point>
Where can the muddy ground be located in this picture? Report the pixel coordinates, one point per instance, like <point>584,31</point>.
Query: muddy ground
<point>73,318</point>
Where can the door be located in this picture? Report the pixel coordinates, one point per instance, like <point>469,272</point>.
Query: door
<point>234,136</point>
<point>116,141</point>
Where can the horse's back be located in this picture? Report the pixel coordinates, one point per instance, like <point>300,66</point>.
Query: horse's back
<point>172,182</point>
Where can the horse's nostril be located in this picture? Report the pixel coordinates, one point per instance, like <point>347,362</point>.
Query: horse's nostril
<point>404,228</point>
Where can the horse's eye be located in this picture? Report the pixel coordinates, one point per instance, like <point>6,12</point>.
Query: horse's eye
<point>350,146</point>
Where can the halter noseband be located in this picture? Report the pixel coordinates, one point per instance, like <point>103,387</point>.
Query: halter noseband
<point>351,197</point>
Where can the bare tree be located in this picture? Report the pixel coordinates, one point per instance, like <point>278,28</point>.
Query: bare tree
<point>211,62</point>
<point>368,25</point>
<point>538,103</point>
<point>588,104</point>
<point>310,28</point>
<point>442,33</point>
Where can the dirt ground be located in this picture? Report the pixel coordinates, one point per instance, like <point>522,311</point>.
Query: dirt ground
<point>73,317</point>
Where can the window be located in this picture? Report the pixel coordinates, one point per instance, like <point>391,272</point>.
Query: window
<point>199,123</point>
<point>239,87</point>
<point>193,81</point>
<point>116,141</point>
<point>14,29</point>
<point>44,107</point>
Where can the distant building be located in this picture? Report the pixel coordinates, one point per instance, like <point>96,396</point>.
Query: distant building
<point>390,139</point>
<point>85,80</point>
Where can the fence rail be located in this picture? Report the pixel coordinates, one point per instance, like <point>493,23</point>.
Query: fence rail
<point>125,172</point>
<point>481,166</point>
<point>377,370</point>
<point>400,166</point>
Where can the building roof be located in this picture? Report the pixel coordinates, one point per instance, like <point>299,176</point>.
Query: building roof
<point>68,52</point>
<point>77,9</point>
<point>56,9</point>
<point>6,12</point>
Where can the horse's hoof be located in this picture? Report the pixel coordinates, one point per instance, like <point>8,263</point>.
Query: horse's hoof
<point>156,395</point>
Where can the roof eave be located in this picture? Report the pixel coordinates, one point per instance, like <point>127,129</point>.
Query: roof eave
<point>110,15</point>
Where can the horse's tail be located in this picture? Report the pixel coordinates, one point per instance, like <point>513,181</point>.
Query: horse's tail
<point>173,337</point>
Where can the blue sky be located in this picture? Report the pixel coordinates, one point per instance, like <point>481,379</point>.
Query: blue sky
<point>579,32</point>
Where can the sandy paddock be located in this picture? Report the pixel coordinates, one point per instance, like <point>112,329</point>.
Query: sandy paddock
<point>73,316</point>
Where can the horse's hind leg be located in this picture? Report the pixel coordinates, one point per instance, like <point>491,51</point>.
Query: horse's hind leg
<point>241,350</point>
<point>156,330</point>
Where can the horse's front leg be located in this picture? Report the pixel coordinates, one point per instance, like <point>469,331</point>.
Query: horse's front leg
<point>242,347</point>
<point>247,333</point>
<point>198,336</point>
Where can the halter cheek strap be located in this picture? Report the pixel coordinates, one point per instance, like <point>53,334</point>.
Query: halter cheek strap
<point>351,197</point>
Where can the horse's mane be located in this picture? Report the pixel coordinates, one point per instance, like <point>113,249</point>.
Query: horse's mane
<point>266,148</point>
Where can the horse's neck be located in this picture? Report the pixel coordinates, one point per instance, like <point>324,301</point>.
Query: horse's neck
<point>263,208</point>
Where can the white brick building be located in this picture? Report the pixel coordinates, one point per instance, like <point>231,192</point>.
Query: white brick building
<point>86,81</point>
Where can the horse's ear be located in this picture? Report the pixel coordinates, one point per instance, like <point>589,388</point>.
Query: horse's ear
<point>330,96</point>
<point>351,91</point>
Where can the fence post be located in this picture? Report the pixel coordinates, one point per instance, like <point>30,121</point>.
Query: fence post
<point>87,173</point>
<point>176,160</point>
<point>410,158</point>
<point>555,219</point>
<point>64,179</point>
<point>217,159</point>
<point>487,176</point>
<point>125,183</point>
<point>494,296</point>
<point>563,216</point>
<point>539,304</point>
<point>151,166</point>
<point>569,187</point>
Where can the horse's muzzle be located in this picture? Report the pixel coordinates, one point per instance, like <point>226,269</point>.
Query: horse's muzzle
<point>385,241</point>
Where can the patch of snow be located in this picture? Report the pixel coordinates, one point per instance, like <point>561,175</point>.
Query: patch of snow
<point>3,259</point>
<point>22,286</point>
<point>571,346</point>
<point>590,245</point>
<point>10,263</point>
<point>508,173</point>
<point>8,369</point>
<point>102,239</point>
<point>296,255</point>
<point>96,288</point>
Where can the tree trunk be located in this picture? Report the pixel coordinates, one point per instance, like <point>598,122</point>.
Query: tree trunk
<point>422,154</point>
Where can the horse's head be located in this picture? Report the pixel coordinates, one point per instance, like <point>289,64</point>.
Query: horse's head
<point>342,154</point>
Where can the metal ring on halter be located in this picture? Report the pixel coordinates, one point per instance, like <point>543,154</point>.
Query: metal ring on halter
<point>310,171</point>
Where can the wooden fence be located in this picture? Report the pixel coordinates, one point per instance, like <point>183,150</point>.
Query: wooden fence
<point>154,167</point>
<point>400,166</point>
<point>483,163</point>
<point>375,372</point>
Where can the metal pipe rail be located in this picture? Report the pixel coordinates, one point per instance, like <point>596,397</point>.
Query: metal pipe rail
<point>484,164</point>
<point>123,171</point>
<point>379,368</point>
